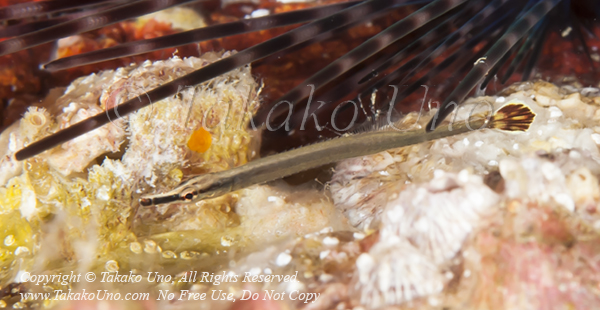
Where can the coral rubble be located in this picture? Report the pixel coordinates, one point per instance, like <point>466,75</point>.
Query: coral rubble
<point>485,220</point>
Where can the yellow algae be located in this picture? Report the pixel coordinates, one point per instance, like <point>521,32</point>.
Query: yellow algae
<point>10,198</point>
<point>72,208</point>
<point>200,140</point>
<point>84,215</point>
<point>16,235</point>
<point>179,17</point>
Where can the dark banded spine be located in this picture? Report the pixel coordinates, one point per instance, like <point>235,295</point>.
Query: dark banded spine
<point>525,49</point>
<point>455,58</point>
<point>371,72</point>
<point>496,52</point>
<point>27,27</point>
<point>367,49</point>
<point>29,9</point>
<point>197,35</point>
<point>469,28</point>
<point>242,58</point>
<point>488,33</point>
<point>86,23</point>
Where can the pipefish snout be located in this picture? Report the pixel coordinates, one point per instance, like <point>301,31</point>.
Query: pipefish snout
<point>513,117</point>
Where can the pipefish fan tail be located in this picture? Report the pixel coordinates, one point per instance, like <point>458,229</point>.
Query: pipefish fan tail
<point>336,55</point>
<point>513,117</point>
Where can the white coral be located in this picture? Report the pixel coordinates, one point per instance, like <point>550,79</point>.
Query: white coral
<point>566,180</point>
<point>158,134</point>
<point>9,166</point>
<point>361,187</point>
<point>422,228</point>
<point>556,162</point>
<point>360,199</point>
<point>80,101</point>
<point>437,216</point>
<point>394,272</point>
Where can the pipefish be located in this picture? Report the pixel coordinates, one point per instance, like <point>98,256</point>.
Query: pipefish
<point>437,43</point>
<point>510,117</point>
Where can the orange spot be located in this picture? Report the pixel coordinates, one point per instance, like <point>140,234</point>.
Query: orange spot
<point>200,141</point>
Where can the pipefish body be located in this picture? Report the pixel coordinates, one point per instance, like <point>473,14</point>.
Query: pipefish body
<point>510,117</point>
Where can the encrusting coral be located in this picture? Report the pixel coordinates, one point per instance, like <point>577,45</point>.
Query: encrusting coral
<point>75,207</point>
<point>474,207</point>
<point>440,224</point>
<point>91,196</point>
<point>484,220</point>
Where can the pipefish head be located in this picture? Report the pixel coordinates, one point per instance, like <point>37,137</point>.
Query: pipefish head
<point>193,190</point>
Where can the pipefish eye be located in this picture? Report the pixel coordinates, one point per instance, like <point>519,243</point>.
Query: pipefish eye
<point>403,43</point>
<point>189,194</point>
